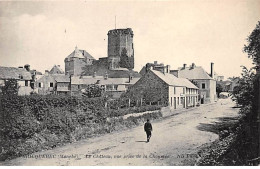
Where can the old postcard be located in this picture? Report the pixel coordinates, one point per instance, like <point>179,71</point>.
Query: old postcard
<point>130,83</point>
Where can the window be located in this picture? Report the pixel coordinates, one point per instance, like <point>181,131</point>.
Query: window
<point>51,84</point>
<point>26,82</point>
<point>78,86</point>
<point>203,85</point>
<point>174,90</point>
<point>115,87</point>
<point>40,85</point>
<point>184,90</point>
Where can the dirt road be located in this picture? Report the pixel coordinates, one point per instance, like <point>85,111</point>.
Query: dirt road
<point>175,141</point>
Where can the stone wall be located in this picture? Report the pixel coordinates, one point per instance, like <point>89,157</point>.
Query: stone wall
<point>74,66</point>
<point>150,83</point>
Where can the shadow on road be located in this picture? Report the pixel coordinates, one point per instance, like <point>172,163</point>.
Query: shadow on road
<point>141,141</point>
<point>224,123</point>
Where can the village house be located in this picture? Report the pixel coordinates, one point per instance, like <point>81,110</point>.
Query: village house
<point>21,74</point>
<point>114,86</point>
<point>53,82</point>
<point>205,82</point>
<point>166,89</point>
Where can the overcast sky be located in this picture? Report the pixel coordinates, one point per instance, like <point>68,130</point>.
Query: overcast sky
<point>172,32</point>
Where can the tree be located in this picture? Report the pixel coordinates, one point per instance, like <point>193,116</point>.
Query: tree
<point>93,90</point>
<point>195,83</point>
<point>244,92</point>
<point>10,87</point>
<point>247,94</point>
<point>219,89</point>
<point>253,47</point>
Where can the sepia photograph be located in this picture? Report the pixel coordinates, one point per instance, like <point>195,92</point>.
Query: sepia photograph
<point>130,83</point>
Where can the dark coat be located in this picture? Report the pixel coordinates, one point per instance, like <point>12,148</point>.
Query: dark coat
<point>148,126</point>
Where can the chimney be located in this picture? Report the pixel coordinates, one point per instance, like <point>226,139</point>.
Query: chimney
<point>155,62</point>
<point>27,67</point>
<point>212,70</point>
<point>147,67</point>
<point>184,66</point>
<point>193,65</point>
<point>58,65</point>
<point>164,69</point>
<point>168,68</point>
<point>130,78</point>
<point>46,73</point>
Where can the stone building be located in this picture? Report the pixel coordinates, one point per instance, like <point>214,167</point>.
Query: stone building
<point>161,87</point>
<point>76,61</point>
<point>21,74</point>
<point>205,81</point>
<point>154,66</point>
<point>120,55</point>
<point>121,48</point>
<point>56,69</point>
<point>53,82</point>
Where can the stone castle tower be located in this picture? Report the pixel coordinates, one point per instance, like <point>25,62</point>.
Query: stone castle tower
<point>121,48</point>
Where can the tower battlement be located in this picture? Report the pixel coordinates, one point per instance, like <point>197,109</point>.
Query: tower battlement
<point>127,31</point>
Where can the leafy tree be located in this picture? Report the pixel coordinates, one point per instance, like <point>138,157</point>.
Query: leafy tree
<point>219,89</point>
<point>10,87</point>
<point>125,61</point>
<point>253,47</point>
<point>93,90</point>
<point>244,92</point>
<point>195,83</point>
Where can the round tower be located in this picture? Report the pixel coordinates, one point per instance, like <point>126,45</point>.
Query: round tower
<point>121,47</point>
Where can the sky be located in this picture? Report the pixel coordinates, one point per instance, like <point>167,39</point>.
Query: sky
<point>174,32</point>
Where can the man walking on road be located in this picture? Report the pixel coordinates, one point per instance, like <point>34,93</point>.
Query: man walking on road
<point>148,129</point>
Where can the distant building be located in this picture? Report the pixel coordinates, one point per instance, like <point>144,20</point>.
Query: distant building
<point>219,78</point>
<point>205,82</point>
<point>22,75</point>
<point>56,69</point>
<point>154,66</point>
<point>228,85</point>
<point>166,89</point>
<point>53,83</point>
<point>114,86</point>
<point>76,61</point>
<point>120,55</point>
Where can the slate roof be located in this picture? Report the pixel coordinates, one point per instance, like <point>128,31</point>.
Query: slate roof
<point>61,78</point>
<point>78,53</point>
<point>194,73</point>
<point>101,69</point>
<point>54,77</point>
<point>14,73</point>
<point>101,80</point>
<point>56,70</point>
<point>174,81</point>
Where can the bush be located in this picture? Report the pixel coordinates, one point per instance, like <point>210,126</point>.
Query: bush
<point>33,123</point>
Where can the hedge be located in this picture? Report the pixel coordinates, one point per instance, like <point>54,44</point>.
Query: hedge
<point>32,123</point>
